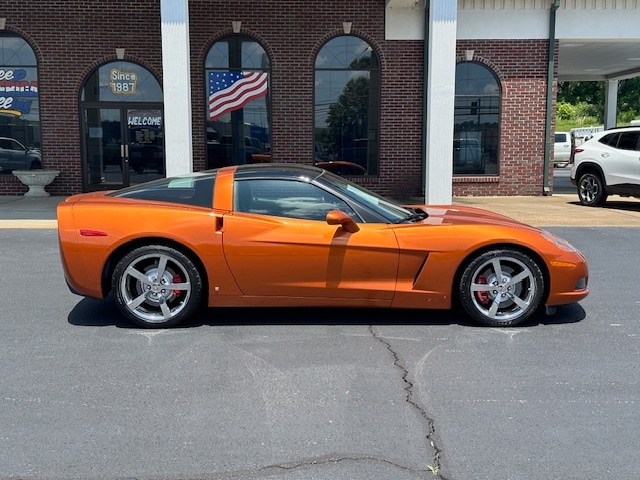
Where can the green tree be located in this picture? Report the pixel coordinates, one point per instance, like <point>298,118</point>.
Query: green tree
<point>588,98</point>
<point>629,97</point>
<point>348,117</point>
<point>577,92</point>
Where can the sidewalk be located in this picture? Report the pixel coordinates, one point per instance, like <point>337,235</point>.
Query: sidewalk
<point>28,212</point>
<point>555,210</point>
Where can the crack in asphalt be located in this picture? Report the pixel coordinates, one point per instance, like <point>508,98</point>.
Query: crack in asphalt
<point>269,470</point>
<point>409,398</point>
<point>325,460</point>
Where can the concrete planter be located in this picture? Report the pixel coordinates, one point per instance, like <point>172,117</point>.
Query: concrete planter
<point>36,180</point>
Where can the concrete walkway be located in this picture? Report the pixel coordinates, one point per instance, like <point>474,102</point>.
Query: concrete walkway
<point>555,210</point>
<point>561,210</point>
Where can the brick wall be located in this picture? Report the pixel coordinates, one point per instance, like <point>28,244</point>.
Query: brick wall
<point>72,38</point>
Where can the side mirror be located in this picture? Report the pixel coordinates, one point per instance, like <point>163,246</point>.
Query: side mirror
<point>337,217</point>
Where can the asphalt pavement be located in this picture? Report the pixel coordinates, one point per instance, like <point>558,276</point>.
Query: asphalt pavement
<point>544,211</point>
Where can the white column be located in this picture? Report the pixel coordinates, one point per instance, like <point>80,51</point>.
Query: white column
<point>176,76</point>
<point>610,103</point>
<point>440,95</point>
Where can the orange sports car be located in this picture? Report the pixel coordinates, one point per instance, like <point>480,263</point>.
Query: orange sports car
<point>293,235</point>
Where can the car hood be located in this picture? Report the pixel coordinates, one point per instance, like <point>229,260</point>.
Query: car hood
<point>462,215</point>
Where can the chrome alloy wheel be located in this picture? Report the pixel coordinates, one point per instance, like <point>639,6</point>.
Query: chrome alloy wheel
<point>157,286</point>
<point>501,287</point>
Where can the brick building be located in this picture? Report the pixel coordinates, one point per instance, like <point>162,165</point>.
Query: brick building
<point>118,92</point>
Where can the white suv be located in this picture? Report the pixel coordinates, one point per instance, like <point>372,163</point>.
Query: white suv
<point>607,164</point>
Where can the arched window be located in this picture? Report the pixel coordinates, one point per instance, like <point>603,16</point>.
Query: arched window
<point>476,120</point>
<point>347,106</point>
<point>238,103</point>
<point>20,136</point>
<point>119,82</point>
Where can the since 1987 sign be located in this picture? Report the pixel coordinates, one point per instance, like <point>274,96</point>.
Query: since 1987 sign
<point>123,83</point>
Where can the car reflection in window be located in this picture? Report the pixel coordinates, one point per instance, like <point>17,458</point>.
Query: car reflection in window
<point>289,199</point>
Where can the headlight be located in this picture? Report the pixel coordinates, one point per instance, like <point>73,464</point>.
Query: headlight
<point>559,242</point>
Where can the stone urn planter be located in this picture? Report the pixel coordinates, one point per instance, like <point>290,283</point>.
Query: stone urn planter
<point>36,180</point>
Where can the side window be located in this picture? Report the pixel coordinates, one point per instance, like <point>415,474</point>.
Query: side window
<point>628,141</point>
<point>476,120</point>
<point>195,191</point>
<point>610,140</point>
<point>238,102</point>
<point>286,198</point>
<point>347,107</point>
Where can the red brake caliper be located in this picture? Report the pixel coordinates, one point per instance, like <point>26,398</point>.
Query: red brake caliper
<point>483,297</point>
<point>177,279</point>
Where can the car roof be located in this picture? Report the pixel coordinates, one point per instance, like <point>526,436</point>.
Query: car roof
<point>277,170</point>
<point>609,131</point>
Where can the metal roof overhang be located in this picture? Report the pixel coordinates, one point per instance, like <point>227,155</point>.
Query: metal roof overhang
<point>582,59</point>
<point>597,60</point>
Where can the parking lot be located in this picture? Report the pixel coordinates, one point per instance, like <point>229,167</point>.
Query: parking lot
<point>318,393</point>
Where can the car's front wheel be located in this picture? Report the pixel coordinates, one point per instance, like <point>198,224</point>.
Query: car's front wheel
<point>157,286</point>
<point>501,287</point>
<point>591,191</point>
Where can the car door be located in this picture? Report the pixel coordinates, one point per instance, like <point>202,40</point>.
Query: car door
<point>561,147</point>
<point>278,243</point>
<point>623,164</point>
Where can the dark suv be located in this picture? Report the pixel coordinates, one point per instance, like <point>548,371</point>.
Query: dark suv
<point>607,164</point>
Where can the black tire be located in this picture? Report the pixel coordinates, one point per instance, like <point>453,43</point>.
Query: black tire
<point>501,288</point>
<point>591,190</point>
<point>157,286</point>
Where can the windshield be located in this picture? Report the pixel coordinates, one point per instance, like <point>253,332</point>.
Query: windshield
<point>391,211</point>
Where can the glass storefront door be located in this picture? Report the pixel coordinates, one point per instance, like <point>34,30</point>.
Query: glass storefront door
<point>122,146</point>
<point>122,127</point>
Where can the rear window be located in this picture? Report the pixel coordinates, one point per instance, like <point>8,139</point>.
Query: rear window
<point>561,137</point>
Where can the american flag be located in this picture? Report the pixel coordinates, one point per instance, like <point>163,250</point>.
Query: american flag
<point>230,91</point>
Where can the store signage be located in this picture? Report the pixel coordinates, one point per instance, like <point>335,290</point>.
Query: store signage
<point>144,119</point>
<point>122,83</point>
<point>16,91</point>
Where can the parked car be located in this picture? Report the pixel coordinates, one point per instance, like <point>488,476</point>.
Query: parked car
<point>284,235</point>
<point>562,149</point>
<point>467,156</point>
<point>220,153</point>
<point>15,156</point>
<point>341,167</point>
<point>607,164</point>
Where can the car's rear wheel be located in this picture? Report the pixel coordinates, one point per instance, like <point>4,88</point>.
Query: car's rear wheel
<point>157,286</point>
<point>591,191</point>
<point>501,287</point>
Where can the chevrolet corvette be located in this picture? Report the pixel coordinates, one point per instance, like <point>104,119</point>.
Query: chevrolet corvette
<point>279,235</point>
